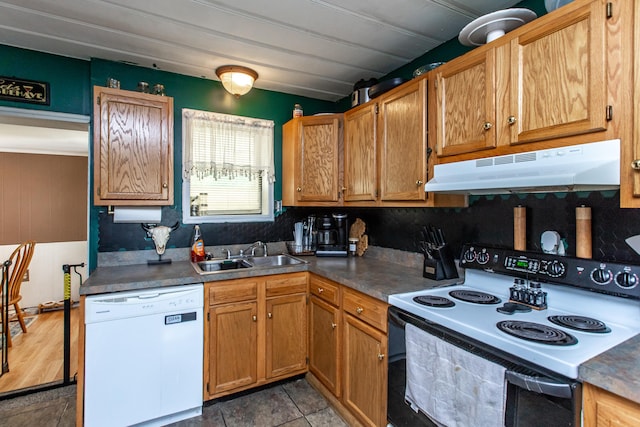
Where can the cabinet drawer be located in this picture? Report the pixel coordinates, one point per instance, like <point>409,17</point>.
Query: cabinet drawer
<point>325,290</point>
<point>232,291</point>
<point>285,284</point>
<point>365,308</point>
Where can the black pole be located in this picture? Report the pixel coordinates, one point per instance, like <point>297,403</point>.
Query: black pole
<point>67,323</point>
<point>66,269</point>
<point>5,317</point>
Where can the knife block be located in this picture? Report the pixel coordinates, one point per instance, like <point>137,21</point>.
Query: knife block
<point>441,266</point>
<point>432,269</point>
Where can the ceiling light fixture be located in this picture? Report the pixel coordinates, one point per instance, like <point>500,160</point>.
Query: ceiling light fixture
<point>237,80</point>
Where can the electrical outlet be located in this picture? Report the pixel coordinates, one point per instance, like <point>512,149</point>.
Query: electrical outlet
<point>25,278</point>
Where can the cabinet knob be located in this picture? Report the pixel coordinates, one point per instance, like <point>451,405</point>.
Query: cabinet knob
<point>343,189</point>
<point>487,126</point>
<point>380,356</point>
<point>333,325</point>
<point>511,120</point>
<point>359,310</point>
<point>636,164</point>
<point>164,185</point>
<point>418,183</point>
<point>320,290</point>
<point>254,318</point>
<point>269,315</point>
<point>298,189</point>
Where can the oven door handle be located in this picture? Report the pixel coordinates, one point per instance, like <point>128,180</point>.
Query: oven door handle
<point>542,385</point>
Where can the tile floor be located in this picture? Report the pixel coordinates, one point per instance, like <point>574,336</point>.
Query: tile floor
<point>291,404</point>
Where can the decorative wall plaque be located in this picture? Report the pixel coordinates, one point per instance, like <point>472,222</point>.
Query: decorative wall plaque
<point>12,89</point>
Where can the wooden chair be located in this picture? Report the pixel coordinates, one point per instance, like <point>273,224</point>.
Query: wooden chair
<point>20,260</point>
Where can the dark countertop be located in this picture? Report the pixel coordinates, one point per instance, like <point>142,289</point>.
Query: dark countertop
<point>616,370</point>
<point>379,275</point>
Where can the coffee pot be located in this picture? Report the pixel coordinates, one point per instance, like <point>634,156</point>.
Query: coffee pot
<point>327,233</point>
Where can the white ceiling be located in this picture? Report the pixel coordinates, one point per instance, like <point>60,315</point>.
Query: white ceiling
<point>313,48</point>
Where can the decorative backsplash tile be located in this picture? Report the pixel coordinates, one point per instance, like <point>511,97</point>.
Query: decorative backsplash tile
<point>488,219</point>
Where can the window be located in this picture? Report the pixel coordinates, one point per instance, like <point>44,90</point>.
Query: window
<point>228,172</point>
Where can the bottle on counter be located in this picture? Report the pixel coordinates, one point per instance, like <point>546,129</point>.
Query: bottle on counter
<point>197,245</point>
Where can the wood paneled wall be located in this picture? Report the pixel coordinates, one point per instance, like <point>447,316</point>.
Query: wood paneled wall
<point>42,197</point>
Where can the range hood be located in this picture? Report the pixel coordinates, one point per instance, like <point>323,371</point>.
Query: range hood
<point>585,167</point>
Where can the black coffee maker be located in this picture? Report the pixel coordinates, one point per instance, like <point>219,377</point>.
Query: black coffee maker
<point>333,235</point>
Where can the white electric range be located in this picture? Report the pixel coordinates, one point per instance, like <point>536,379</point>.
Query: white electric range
<point>574,292</point>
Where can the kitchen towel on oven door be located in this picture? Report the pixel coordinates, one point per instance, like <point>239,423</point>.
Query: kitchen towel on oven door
<point>453,387</point>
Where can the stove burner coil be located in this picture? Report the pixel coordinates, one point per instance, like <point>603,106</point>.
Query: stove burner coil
<point>536,332</point>
<point>475,297</point>
<point>580,323</point>
<point>434,301</point>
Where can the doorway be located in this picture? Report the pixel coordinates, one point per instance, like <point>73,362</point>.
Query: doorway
<point>44,197</point>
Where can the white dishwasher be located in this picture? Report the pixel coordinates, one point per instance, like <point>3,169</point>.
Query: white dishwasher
<point>143,356</point>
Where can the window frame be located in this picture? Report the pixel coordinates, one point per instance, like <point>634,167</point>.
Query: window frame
<point>268,196</point>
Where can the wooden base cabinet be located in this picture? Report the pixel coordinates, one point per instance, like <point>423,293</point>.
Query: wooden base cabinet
<point>325,337</point>
<point>348,350</point>
<point>365,372</point>
<point>286,335</point>
<point>604,409</point>
<point>255,333</point>
<point>233,344</point>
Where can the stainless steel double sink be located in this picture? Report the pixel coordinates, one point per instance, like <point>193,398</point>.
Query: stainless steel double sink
<point>251,262</point>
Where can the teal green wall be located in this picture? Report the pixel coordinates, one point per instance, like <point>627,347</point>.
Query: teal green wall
<point>68,79</point>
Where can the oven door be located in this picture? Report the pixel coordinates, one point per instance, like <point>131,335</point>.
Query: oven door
<point>535,397</point>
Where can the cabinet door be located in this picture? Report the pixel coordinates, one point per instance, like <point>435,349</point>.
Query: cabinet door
<point>232,346</point>
<point>324,339</point>
<point>360,145</point>
<point>133,146</point>
<point>403,143</point>
<point>558,84</point>
<point>365,372</point>
<point>604,409</point>
<point>286,335</point>
<point>466,104</point>
<point>318,172</point>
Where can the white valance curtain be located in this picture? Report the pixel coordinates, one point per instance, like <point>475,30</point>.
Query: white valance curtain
<point>226,146</point>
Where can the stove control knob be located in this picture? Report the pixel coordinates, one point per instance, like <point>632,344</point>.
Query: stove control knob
<point>601,275</point>
<point>483,257</point>
<point>555,269</point>
<point>469,255</point>
<point>626,280</point>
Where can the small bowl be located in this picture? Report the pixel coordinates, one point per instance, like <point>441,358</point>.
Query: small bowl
<point>420,71</point>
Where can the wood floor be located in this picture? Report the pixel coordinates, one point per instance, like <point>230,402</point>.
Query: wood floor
<point>36,358</point>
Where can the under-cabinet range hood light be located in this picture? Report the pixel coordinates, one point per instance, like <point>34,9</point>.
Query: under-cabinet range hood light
<point>585,167</point>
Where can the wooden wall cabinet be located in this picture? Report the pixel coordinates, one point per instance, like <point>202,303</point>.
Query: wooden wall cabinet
<point>133,148</point>
<point>604,409</point>
<point>550,83</point>
<point>255,333</point>
<point>311,161</point>
<point>385,149</point>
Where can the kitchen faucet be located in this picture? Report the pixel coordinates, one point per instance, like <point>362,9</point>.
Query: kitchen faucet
<point>253,247</point>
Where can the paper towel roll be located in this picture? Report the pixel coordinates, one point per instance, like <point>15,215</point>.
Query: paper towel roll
<point>146,214</point>
<point>583,232</point>
<point>520,228</point>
